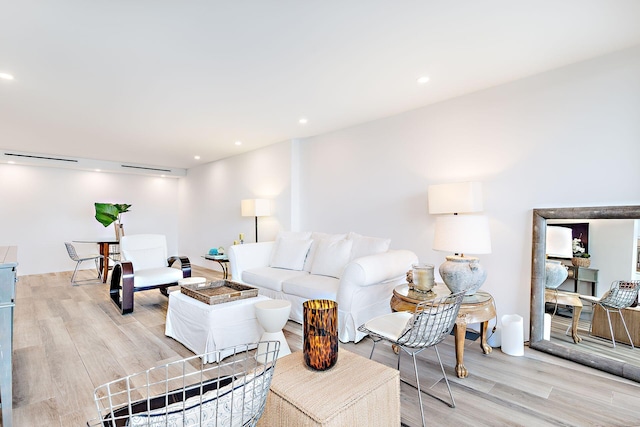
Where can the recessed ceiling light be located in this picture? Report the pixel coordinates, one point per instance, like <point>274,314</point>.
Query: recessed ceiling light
<point>422,80</point>
<point>11,162</point>
<point>303,121</point>
<point>6,76</point>
<point>98,170</point>
<point>163,176</point>
<point>196,157</point>
<point>238,142</point>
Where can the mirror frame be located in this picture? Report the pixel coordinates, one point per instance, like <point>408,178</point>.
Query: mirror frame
<point>536,341</point>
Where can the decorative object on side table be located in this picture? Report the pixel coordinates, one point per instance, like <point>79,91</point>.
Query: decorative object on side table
<point>420,278</point>
<point>216,253</point>
<point>558,246</point>
<point>110,213</point>
<point>320,333</point>
<point>580,257</point>
<point>462,234</point>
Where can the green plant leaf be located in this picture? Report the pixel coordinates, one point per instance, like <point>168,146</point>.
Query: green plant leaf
<point>122,207</point>
<point>106,213</point>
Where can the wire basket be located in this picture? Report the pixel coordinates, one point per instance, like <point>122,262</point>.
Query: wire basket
<point>581,262</point>
<point>189,392</point>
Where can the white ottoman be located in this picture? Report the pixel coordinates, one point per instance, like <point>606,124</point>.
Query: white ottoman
<point>203,328</point>
<point>273,315</point>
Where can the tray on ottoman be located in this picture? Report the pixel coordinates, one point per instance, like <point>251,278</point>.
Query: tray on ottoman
<point>219,291</point>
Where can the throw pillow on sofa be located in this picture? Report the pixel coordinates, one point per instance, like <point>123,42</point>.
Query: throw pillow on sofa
<point>331,257</point>
<point>317,237</point>
<point>364,245</point>
<point>290,254</point>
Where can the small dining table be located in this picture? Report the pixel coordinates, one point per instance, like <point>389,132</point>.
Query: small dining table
<point>103,244</point>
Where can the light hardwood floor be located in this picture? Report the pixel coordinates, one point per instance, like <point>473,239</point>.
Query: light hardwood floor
<point>69,340</point>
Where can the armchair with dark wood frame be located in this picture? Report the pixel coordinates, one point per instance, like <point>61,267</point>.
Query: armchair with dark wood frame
<point>144,266</point>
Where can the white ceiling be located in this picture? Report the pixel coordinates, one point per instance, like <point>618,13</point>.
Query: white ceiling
<point>156,82</point>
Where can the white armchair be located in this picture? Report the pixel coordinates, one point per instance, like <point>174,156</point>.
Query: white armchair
<point>144,265</point>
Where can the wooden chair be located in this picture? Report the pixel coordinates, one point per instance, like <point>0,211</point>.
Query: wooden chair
<point>430,323</point>
<point>144,265</point>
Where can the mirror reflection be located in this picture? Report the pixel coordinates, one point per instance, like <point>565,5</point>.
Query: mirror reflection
<point>587,276</point>
<point>584,258</point>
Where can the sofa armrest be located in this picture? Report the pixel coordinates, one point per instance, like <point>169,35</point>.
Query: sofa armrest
<point>378,268</point>
<point>247,256</point>
<point>366,287</point>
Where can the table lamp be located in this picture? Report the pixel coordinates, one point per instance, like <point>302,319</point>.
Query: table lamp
<point>462,234</point>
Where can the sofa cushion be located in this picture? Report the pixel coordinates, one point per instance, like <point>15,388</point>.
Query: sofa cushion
<point>269,277</point>
<point>331,257</point>
<point>364,245</point>
<point>312,286</point>
<point>316,237</point>
<point>290,253</point>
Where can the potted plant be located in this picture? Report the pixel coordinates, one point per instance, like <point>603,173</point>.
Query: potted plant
<point>580,257</point>
<point>110,213</point>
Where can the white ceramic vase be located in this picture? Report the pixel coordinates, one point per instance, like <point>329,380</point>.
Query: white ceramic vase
<point>554,274</point>
<point>461,272</point>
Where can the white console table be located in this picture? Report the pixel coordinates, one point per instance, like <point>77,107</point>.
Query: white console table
<point>8,264</point>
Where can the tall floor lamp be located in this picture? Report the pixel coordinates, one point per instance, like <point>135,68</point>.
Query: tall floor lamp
<point>256,208</point>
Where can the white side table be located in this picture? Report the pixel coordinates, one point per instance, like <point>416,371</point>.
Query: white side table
<point>273,315</point>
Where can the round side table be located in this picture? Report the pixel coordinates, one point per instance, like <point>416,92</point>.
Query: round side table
<point>273,315</point>
<point>476,308</point>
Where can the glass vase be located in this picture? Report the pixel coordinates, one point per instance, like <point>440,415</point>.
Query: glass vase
<point>423,278</point>
<point>320,334</point>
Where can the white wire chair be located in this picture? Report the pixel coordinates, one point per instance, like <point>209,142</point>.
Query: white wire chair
<point>621,295</point>
<point>188,392</point>
<point>430,323</point>
<point>73,254</point>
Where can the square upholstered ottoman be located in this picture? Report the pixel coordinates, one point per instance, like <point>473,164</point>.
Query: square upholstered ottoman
<point>204,328</point>
<point>356,391</point>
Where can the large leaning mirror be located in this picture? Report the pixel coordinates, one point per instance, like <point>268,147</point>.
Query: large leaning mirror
<point>609,358</point>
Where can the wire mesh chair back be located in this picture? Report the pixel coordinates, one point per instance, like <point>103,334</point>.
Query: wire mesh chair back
<point>71,250</point>
<point>622,294</point>
<point>73,254</point>
<point>189,392</point>
<point>432,322</point>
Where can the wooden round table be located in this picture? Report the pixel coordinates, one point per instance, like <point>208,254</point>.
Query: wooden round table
<point>477,308</point>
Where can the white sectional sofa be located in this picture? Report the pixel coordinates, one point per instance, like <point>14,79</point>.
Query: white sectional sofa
<point>358,272</point>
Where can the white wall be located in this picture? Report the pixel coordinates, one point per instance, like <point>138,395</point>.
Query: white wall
<point>41,208</point>
<point>563,138</point>
<point>612,245</point>
<point>210,198</point>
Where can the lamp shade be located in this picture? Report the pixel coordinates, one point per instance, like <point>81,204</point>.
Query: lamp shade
<point>256,207</point>
<point>559,242</point>
<point>460,197</point>
<point>465,234</point>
